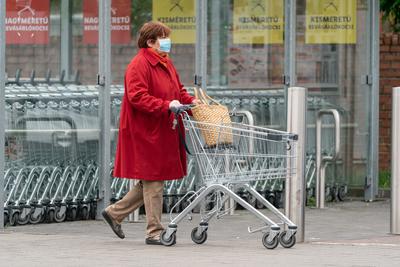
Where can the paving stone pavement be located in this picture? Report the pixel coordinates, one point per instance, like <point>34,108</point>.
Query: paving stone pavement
<point>351,233</point>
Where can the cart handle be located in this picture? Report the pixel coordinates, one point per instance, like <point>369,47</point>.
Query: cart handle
<point>182,108</point>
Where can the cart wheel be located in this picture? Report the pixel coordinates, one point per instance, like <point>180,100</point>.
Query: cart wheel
<point>341,193</point>
<point>168,242</point>
<point>35,220</point>
<point>93,210</point>
<point>271,198</point>
<point>259,204</point>
<point>59,216</point>
<point>185,204</point>
<point>43,216</point>
<point>84,213</point>
<point>270,244</point>
<point>287,243</point>
<point>23,220</point>
<point>14,218</point>
<point>198,239</point>
<point>251,200</point>
<point>73,214</point>
<point>278,200</point>
<point>50,216</point>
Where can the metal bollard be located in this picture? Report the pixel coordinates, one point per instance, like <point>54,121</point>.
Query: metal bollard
<point>295,183</point>
<point>395,180</point>
<point>321,162</point>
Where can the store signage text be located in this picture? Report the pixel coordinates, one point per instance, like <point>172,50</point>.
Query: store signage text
<point>120,22</point>
<point>331,21</point>
<point>27,22</point>
<point>180,16</point>
<point>258,21</point>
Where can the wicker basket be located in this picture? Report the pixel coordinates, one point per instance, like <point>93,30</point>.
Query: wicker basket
<point>215,117</point>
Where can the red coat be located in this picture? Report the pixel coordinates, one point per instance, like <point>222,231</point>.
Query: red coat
<point>148,148</point>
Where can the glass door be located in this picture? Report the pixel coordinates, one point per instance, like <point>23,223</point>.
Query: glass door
<point>51,115</point>
<point>245,57</point>
<point>332,62</point>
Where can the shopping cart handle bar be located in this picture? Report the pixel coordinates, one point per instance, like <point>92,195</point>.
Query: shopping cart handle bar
<point>180,109</point>
<point>279,137</point>
<point>275,137</point>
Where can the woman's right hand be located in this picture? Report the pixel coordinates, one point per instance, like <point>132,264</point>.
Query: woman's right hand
<point>174,104</point>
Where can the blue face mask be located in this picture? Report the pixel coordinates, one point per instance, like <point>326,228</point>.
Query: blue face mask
<point>165,45</point>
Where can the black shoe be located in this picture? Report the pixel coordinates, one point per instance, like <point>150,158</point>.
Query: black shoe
<point>114,226</point>
<point>150,241</point>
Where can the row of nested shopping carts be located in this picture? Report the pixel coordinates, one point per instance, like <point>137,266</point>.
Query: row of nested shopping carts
<point>52,134</point>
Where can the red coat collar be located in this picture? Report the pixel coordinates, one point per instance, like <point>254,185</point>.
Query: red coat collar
<point>151,57</point>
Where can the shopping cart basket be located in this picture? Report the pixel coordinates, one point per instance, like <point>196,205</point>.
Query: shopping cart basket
<point>256,153</point>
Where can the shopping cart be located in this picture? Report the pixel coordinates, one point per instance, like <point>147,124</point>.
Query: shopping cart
<point>241,154</point>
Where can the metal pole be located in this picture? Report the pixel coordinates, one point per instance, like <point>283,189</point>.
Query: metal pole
<point>395,182</point>
<point>104,83</point>
<point>295,183</point>
<point>203,44</point>
<point>289,76</point>
<point>2,105</point>
<point>197,75</point>
<point>373,161</point>
<point>66,38</point>
<point>215,35</point>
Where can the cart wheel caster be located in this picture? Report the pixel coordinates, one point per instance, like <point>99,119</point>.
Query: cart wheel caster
<point>43,217</point>
<point>92,211</point>
<point>50,216</point>
<point>14,219</point>
<point>271,198</point>
<point>342,193</point>
<point>198,239</point>
<point>287,243</point>
<point>35,220</point>
<point>60,215</point>
<point>251,200</point>
<point>185,204</point>
<point>270,244</point>
<point>259,205</point>
<point>23,220</point>
<point>73,214</point>
<point>84,213</point>
<point>168,242</point>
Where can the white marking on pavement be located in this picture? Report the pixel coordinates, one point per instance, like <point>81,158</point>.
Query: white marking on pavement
<point>356,244</point>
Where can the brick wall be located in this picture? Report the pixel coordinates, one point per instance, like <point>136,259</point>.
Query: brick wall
<point>389,78</point>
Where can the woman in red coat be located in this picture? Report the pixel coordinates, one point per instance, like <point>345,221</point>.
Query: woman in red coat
<point>149,149</point>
